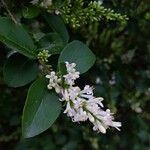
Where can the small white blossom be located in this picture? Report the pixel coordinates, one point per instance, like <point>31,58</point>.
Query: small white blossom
<point>74,92</point>
<point>72,74</point>
<point>99,127</point>
<point>81,115</point>
<point>91,117</point>
<point>57,12</point>
<point>54,82</point>
<point>70,67</point>
<point>87,90</point>
<point>65,95</point>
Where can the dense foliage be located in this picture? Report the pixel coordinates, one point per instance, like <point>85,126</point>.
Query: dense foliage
<point>116,31</point>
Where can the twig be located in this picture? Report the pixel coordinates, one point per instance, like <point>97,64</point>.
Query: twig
<point>45,67</point>
<point>10,14</point>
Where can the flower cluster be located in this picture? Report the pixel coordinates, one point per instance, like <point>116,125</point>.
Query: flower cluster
<point>78,12</point>
<point>81,105</point>
<point>44,55</point>
<point>54,82</point>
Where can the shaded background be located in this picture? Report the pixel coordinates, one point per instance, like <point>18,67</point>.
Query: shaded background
<point>121,75</point>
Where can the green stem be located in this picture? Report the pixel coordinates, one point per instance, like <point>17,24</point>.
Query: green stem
<point>46,68</point>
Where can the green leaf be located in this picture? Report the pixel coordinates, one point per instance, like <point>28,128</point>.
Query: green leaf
<point>52,42</point>
<point>41,109</point>
<point>30,12</point>
<point>20,70</point>
<point>16,37</point>
<point>57,24</point>
<point>79,53</point>
<point>62,68</point>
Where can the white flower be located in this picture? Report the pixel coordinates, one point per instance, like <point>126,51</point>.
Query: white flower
<point>78,103</point>
<point>68,109</point>
<point>70,67</point>
<point>65,95</point>
<point>70,78</point>
<point>91,118</point>
<point>81,115</point>
<point>116,125</point>
<point>77,114</point>
<point>96,100</point>
<point>54,82</point>
<point>81,105</point>
<point>57,12</point>
<point>107,119</point>
<point>88,90</point>
<point>99,127</point>
<point>72,74</point>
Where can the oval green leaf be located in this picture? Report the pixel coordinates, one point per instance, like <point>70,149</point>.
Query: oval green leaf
<point>41,109</point>
<point>79,53</point>
<point>16,37</point>
<point>20,70</point>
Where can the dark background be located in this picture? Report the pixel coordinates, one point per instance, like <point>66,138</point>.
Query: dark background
<point>122,72</point>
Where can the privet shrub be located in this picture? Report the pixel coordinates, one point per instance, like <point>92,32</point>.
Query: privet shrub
<point>74,61</point>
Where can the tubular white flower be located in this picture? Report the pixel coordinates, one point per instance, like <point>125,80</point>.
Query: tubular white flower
<point>91,118</point>
<point>74,92</point>
<point>81,105</point>
<point>81,115</point>
<point>72,74</point>
<point>54,82</point>
<point>97,100</point>
<point>98,126</point>
<point>65,95</point>
<point>70,67</point>
<point>87,90</point>
<point>116,125</point>
<point>70,78</point>
<point>68,108</point>
<point>82,108</point>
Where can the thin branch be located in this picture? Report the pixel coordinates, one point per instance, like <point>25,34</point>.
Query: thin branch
<point>46,68</point>
<point>10,14</point>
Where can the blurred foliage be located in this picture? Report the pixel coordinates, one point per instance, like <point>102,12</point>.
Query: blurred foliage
<point>80,12</point>
<point>121,75</point>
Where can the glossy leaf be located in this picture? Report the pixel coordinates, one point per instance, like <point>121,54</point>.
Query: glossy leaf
<point>20,70</point>
<point>41,109</point>
<point>16,37</point>
<point>79,53</point>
